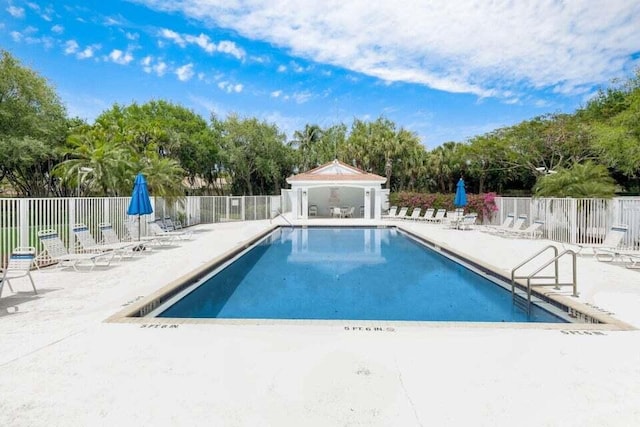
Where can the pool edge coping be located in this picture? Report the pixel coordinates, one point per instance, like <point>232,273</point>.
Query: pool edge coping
<point>131,313</point>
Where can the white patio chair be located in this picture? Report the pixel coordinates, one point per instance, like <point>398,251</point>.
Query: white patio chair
<point>87,243</point>
<point>349,213</point>
<point>20,263</point>
<point>55,250</point>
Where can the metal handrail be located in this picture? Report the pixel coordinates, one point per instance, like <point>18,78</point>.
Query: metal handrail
<point>283,217</point>
<point>526,261</point>
<point>556,284</point>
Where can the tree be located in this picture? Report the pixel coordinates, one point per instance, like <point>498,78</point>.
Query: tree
<point>582,180</point>
<point>32,125</point>
<point>307,143</point>
<point>616,126</point>
<point>257,160</point>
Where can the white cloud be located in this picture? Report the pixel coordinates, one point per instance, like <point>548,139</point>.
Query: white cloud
<point>160,68</point>
<point>119,57</point>
<point>132,36</point>
<point>16,36</point>
<point>474,46</point>
<point>185,72</point>
<point>58,29</point>
<point>173,36</point>
<point>204,42</point>
<point>302,97</point>
<point>151,65</point>
<point>16,12</point>
<point>276,94</point>
<point>71,46</point>
<point>88,51</point>
<point>230,87</point>
<point>226,46</point>
<point>282,68</point>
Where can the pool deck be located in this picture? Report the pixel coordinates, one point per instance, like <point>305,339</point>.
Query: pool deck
<point>62,364</point>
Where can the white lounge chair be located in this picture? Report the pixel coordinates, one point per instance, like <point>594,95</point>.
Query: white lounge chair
<point>110,237</point>
<point>467,221</point>
<point>517,225</point>
<point>428,214</point>
<point>20,263</point>
<point>402,213</point>
<point>393,210</point>
<point>630,257</point>
<point>55,250</point>
<point>438,217</point>
<point>506,224</point>
<point>134,236</point>
<point>612,240</point>
<point>532,231</point>
<point>170,225</point>
<point>155,229</point>
<point>87,243</point>
<point>415,214</point>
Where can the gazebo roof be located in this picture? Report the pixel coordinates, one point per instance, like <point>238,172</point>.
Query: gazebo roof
<point>336,171</point>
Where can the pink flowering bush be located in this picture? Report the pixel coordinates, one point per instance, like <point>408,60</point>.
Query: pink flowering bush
<point>482,204</point>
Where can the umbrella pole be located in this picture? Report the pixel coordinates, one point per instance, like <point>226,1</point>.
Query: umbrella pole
<point>139,237</point>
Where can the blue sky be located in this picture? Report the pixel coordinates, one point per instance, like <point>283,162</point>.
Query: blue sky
<point>446,70</point>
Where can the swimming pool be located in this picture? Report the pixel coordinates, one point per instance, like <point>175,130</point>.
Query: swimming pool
<point>347,274</point>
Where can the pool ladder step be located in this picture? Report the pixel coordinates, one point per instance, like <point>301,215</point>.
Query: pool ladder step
<point>524,301</point>
<point>520,301</point>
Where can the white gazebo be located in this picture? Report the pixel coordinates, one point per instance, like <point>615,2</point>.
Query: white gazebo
<point>320,191</point>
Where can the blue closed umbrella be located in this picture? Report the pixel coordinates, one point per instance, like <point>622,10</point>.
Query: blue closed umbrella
<point>140,203</point>
<point>461,195</point>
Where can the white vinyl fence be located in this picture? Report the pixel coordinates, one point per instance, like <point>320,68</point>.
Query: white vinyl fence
<point>576,220</point>
<point>22,218</point>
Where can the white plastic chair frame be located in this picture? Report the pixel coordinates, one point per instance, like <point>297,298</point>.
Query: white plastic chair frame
<point>20,262</point>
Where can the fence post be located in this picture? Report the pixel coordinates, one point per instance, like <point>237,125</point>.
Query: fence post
<point>242,207</point>
<point>23,221</point>
<point>573,214</point>
<point>106,216</point>
<point>71,222</point>
<point>228,206</point>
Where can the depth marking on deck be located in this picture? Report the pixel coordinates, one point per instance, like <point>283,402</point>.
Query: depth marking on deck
<point>369,329</point>
<point>580,332</point>
<point>159,326</point>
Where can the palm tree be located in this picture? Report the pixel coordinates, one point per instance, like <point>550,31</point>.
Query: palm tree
<point>306,141</point>
<point>582,180</point>
<point>111,163</point>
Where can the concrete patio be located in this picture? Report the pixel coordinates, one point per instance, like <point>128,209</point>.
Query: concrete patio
<point>62,364</point>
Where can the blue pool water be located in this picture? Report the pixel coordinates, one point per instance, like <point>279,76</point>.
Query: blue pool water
<point>349,273</point>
